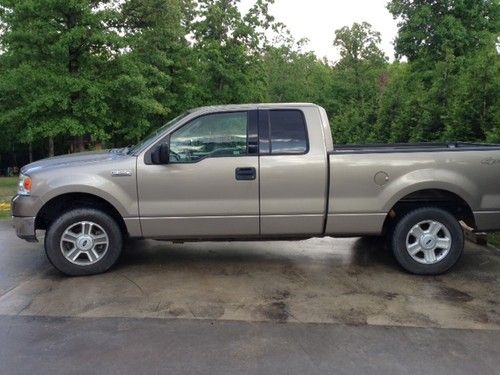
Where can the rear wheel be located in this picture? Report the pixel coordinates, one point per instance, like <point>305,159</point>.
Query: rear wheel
<point>427,241</point>
<point>83,242</point>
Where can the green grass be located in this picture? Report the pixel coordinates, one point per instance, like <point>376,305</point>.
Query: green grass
<point>494,239</point>
<point>8,186</point>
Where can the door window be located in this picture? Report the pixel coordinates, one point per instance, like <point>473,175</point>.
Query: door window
<point>288,132</point>
<point>214,135</point>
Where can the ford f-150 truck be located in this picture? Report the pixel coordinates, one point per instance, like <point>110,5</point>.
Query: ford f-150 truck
<point>258,172</point>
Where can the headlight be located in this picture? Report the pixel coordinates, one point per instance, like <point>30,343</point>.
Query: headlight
<point>24,185</point>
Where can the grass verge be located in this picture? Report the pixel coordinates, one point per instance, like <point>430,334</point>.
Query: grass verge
<point>8,186</point>
<point>494,239</point>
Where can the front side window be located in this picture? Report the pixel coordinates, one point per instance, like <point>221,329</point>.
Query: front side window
<point>215,135</point>
<point>288,132</point>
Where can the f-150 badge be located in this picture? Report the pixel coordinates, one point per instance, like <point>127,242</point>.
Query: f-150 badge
<point>121,173</point>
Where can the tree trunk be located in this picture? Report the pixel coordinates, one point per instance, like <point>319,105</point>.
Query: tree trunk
<point>14,157</point>
<point>30,152</point>
<point>79,144</point>
<point>75,51</point>
<point>51,147</point>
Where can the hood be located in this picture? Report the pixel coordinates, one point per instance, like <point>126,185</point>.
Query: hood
<point>73,160</point>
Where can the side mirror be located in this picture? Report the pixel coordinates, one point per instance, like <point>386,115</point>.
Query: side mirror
<point>161,155</point>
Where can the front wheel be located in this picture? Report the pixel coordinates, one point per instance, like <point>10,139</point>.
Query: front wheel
<point>83,241</point>
<point>427,241</point>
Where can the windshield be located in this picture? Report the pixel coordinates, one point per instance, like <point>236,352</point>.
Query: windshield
<point>152,137</point>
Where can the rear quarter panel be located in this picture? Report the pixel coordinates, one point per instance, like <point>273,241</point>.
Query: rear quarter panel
<point>359,205</point>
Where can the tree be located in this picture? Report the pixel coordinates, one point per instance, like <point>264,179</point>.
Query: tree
<point>403,107</point>
<point>227,45</point>
<point>155,72</point>
<point>431,30</point>
<point>358,80</point>
<point>55,77</point>
<point>116,69</point>
<point>359,43</point>
<point>474,104</point>
<point>451,82</point>
<point>293,74</point>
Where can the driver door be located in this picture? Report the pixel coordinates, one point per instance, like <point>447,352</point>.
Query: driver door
<point>210,188</point>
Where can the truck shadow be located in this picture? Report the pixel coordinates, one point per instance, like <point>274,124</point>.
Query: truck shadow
<point>372,250</point>
<point>360,252</point>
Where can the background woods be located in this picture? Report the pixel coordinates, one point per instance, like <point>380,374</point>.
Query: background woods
<point>77,74</point>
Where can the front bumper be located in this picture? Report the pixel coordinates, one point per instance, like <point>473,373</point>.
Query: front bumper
<point>24,210</point>
<point>25,205</point>
<point>25,228</point>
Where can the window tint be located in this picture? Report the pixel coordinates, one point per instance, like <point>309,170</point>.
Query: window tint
<point>220,134</point>
<point>288,132</point>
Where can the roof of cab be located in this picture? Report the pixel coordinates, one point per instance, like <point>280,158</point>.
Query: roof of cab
<point>236,107</point>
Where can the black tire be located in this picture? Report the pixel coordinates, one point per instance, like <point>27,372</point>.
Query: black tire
<point>405,225</point>
<point>58,227</point>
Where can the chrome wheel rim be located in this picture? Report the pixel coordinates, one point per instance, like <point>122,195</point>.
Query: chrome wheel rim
<point>428,242</point>
<point>84,243</point>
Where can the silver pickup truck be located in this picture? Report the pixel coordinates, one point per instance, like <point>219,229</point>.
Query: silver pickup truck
<point>258,172</point>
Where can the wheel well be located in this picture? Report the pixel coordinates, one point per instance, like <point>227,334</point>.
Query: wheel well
<point>443,199</point>
<point>63,203</point>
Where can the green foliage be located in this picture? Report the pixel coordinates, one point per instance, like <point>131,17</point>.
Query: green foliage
<point>494,239</point>
<point>358,44</point>
<point>8,187</point>
<point>358,82</point>
<point>292,75</point>
<point>117,69</point>
<point>54,70</point>
<point>156,78</point>
<point>432,30</point>
<point>227,46</point>
<point>450,89</point>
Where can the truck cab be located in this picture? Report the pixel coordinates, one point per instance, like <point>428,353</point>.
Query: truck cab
<point>236,172</point>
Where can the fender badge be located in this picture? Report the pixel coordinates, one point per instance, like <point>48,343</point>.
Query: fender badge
<point>121,173</point>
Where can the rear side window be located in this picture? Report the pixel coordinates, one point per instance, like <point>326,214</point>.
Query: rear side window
<point>288,132</point>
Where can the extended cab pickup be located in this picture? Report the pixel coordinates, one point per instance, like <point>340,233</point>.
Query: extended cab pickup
<point>258,172</point>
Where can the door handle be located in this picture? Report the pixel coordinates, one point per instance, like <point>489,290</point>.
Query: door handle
<point>245,174</point>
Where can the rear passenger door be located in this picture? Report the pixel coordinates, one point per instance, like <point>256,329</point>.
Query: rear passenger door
<point>293,172</point>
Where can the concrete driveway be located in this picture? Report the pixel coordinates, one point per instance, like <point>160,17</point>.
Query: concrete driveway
<point>221,307</point>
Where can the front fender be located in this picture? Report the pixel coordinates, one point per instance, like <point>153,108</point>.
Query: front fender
<point>120,192</point>
<point>127,210</point>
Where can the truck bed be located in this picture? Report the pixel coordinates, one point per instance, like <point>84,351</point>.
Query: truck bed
<point>366,181</point>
